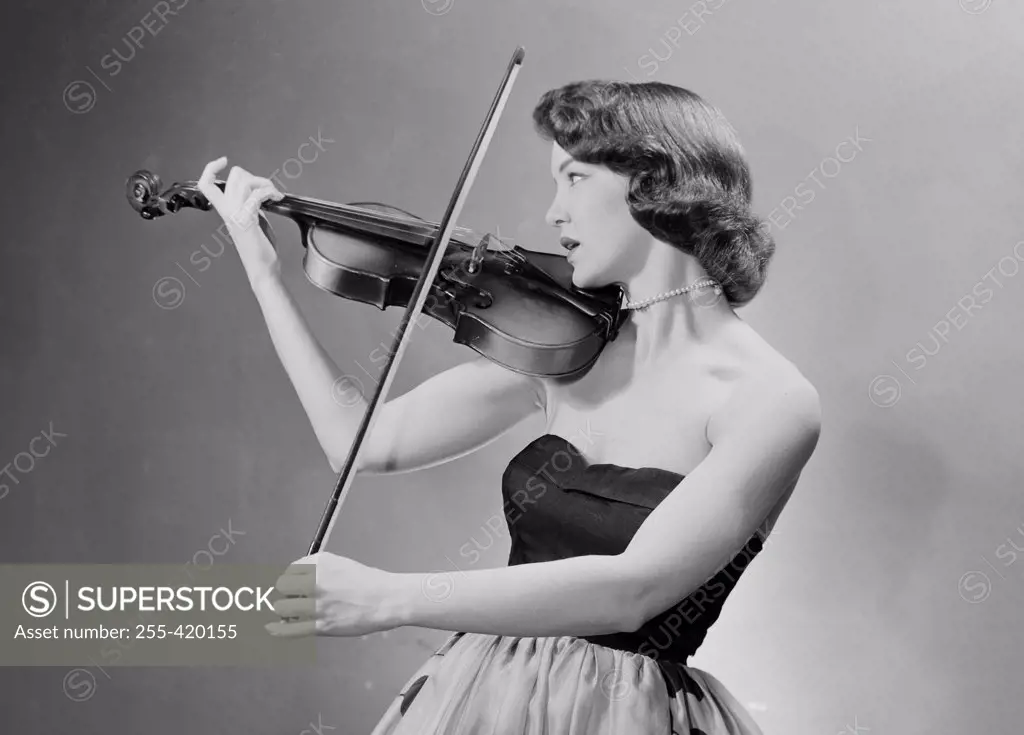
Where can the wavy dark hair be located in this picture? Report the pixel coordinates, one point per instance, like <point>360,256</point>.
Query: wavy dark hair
<point>689,181</point>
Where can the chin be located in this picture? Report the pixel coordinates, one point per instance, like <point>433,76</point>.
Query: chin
<point>579,279</point>
<point>585,278</point>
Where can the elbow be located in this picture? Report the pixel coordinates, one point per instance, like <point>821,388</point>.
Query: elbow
<point>337,465</point>
<point>631,620</point>
<point>634,603</point>
<point>634,616</point>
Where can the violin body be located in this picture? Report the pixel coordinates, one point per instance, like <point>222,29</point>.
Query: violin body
<point>516,307</point>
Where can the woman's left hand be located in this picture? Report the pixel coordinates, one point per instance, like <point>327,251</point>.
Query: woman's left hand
<point>345,598</point>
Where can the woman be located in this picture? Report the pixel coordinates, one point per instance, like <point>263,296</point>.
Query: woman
<point>625,542</point>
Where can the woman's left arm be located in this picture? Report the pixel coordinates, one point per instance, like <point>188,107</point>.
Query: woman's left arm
<point>584,595</point>
<point>761,441</point>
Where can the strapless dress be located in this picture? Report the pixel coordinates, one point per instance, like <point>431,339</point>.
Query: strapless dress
<point>558,506</point>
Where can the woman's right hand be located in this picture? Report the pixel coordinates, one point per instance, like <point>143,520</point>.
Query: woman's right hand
<point>239,206</point>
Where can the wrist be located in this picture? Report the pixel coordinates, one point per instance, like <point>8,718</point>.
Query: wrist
<point>398,605</point>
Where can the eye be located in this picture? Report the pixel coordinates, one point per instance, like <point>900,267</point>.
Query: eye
<point>570,175</point>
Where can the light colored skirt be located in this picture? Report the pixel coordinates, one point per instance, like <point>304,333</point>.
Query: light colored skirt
<point>506,685</point>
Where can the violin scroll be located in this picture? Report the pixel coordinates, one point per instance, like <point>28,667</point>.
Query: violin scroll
<point>143,189</point>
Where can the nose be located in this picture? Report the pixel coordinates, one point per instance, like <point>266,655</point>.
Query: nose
<point>556,215</point>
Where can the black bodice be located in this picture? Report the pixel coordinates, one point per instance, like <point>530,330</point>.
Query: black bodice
<point>558,506</point>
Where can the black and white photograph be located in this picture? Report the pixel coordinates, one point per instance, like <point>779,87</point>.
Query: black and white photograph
<point>538,367</point>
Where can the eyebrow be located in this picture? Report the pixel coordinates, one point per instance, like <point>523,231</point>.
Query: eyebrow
<point>565,163</point>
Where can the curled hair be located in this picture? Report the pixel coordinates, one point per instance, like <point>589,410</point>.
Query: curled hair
<point>689,181</point>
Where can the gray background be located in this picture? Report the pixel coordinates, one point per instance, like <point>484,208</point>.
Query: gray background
<point>178,421</point>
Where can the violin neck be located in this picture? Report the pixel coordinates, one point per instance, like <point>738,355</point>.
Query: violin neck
<point>355,219</point>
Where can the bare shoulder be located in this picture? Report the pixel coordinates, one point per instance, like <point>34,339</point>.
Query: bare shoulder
<point>771,392</point>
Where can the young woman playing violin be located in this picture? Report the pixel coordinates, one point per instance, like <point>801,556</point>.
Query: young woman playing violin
<point>627,541</point>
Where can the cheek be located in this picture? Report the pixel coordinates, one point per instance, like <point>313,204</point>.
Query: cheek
<point>603,218</point>
<point>618,231</point>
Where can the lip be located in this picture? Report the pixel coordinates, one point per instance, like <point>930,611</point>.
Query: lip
<point>569,243</point>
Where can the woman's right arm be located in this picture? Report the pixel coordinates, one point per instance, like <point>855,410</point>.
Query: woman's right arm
<point>447,416</point>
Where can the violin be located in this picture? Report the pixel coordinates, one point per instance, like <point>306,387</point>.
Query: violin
<point>516,307</point>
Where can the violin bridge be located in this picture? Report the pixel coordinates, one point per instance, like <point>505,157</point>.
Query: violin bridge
<point>476,258</point>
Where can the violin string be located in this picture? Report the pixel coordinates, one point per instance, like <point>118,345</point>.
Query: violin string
<point>382,204</point>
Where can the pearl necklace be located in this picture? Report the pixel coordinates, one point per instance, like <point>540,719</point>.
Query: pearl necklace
<point>702,283</point>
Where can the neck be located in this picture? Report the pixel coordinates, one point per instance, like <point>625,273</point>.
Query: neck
<point>679,324</point>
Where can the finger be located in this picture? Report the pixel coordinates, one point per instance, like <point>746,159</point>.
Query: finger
<point>255,199</point>
<point>205,184</point>
<point>294,630</point>
<point>246,186</point>
<point>301,608</point>
<point>262,183</point>
<point>238,177</point>
<point>245,215</point>
<point>298,585</point>
<point>251,210</point>
<point>243,183</point>
<point>305,565</point>
<point>268,192</point>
